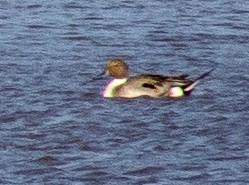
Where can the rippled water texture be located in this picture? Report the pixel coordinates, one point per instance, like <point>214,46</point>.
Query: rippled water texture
<point>55,128</point>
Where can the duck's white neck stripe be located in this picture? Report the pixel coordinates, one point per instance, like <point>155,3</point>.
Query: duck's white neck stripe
<point>110,88</point>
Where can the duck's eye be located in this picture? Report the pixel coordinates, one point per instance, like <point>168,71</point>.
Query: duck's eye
<point>150,86</point>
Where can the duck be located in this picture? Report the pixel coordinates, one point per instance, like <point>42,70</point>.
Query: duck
<point>146,85</point>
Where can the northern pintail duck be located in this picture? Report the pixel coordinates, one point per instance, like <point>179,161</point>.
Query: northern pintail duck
<point>156,86</point>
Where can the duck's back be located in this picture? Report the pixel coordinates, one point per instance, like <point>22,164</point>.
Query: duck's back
<point>150,85</point>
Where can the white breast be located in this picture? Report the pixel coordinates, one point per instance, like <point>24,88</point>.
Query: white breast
<point>110,88</point>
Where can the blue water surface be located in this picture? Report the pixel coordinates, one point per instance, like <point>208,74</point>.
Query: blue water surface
<point>55,128</point>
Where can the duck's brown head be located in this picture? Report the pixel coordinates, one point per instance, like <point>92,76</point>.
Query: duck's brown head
<point>117,68</point>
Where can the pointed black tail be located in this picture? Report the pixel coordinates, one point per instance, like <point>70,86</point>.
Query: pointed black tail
<point>188,88</point>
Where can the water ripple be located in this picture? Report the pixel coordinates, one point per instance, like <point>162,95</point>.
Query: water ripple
<point>55,128</point>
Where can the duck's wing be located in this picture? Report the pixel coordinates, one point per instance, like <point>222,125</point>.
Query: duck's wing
<point>158,81</point>
<point>151,85</point>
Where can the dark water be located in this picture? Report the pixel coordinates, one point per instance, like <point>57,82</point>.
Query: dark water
<point>55,128</point>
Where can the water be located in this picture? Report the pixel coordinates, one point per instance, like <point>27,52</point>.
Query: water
<point>55,128</point>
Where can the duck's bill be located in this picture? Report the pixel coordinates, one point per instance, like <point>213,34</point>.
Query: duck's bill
<point>100,76</point>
